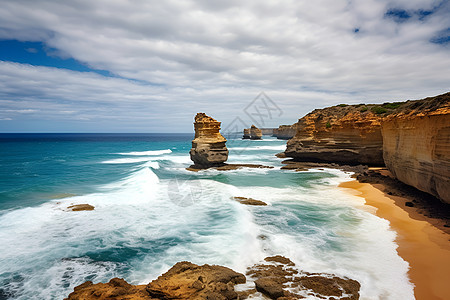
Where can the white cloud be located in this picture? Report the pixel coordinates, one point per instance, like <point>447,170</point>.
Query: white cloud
<point>193,55</point>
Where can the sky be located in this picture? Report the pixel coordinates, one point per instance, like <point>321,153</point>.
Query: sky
<point>150,66</point>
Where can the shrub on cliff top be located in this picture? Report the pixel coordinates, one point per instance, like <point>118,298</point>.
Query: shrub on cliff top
<point>328,125</point>
<point>393,105</point>
<point>378,110</point>
<point>363,109</point>
<point>343,105</point>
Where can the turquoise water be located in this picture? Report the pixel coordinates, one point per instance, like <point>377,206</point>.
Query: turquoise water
<point>151,213</point>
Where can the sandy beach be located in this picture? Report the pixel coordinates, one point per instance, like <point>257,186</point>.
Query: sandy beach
<point>425,247</point>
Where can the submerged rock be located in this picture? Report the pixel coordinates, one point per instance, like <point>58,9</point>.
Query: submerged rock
<point>208,146</point>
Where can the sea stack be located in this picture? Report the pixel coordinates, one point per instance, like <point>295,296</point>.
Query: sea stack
<point>208,146</point>
<point>255,133</point>
<point>246,134</point>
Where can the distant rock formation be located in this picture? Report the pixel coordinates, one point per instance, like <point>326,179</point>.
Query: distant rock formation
<point>208,146</point>
<point>246,134</point>
<point>416,145</point>
<point>276,278</point>
<point>255,133</point>
<point>348,134</point>
<point>267,131</point>
<point>285,132</point>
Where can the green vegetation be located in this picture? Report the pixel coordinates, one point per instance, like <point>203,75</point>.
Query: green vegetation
<point>378,110</point>
<point>343,105</point>
<point>328,125</point>
<point>363,109</point>
<point>390,105</point>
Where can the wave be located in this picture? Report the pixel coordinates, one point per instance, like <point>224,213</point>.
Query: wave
<point>144,153</point>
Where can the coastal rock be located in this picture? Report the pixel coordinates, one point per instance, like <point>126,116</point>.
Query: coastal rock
<point>344,134</point>
<point>249,201</point>
<point>279,279</point>
<point>286,132</point>
<point>255,133</point>
<point>246,134</point>
<point>184,280</point>
<point>208,146</point>
<point>416,145</point>
<point>188,281</point>
<point>80,207</point>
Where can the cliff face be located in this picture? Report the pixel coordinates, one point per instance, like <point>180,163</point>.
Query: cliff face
<point>285,132</point>
<point>208,146</point>
<point>348,134</point>
<point>416,145</point>
<point>246,134</point>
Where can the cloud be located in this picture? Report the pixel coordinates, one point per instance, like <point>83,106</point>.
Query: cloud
<point>174,58</point>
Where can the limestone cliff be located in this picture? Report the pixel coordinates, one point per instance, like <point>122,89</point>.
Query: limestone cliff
<point>348,134</point>
<point>416,145</point>
<point>208,146</point>
<point>255,133</point>
<point>286,132</point>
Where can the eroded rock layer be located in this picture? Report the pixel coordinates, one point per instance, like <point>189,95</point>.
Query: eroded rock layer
<point>246,135</point>
<point>416,145</point>
<point>348,134</point>
<point>208,146</point>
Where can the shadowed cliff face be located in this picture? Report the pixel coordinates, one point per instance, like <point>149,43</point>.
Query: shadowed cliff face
<point>285,132</point>
<point>416,145</point>
<point>342,134</point>
<point>208,146</point>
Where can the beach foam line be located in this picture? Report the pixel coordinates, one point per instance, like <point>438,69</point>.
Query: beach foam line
<point>278,147</point>
<point>127,160</point>
<point>144,153</point>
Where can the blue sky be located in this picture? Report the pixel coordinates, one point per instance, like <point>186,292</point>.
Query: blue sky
<point>149,66</point>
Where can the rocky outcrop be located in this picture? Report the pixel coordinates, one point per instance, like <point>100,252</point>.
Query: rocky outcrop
<point>416,145</point>
<point>349,134</point>
<point>208,146</point>
<point>184,280</point>
<point>267,131</point>
<point>246,134</point>
<point>286,132</point>
<point>277,278</point>
<point>255,133</point>
<point>188,281</point>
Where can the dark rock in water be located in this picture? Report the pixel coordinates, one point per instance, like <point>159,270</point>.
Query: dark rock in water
<point>249,201</point>
<point>208,146</point>
<point>281,155</point>
<point>80,207</point>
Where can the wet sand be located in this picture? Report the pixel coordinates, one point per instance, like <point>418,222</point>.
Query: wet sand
<point>425,247</point>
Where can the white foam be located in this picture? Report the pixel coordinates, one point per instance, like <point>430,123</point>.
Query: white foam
<point>144,153</point>
<point>254,148</point>
<point>127,160</point>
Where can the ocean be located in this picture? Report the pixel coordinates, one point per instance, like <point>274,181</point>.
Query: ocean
<point>150,212</point>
